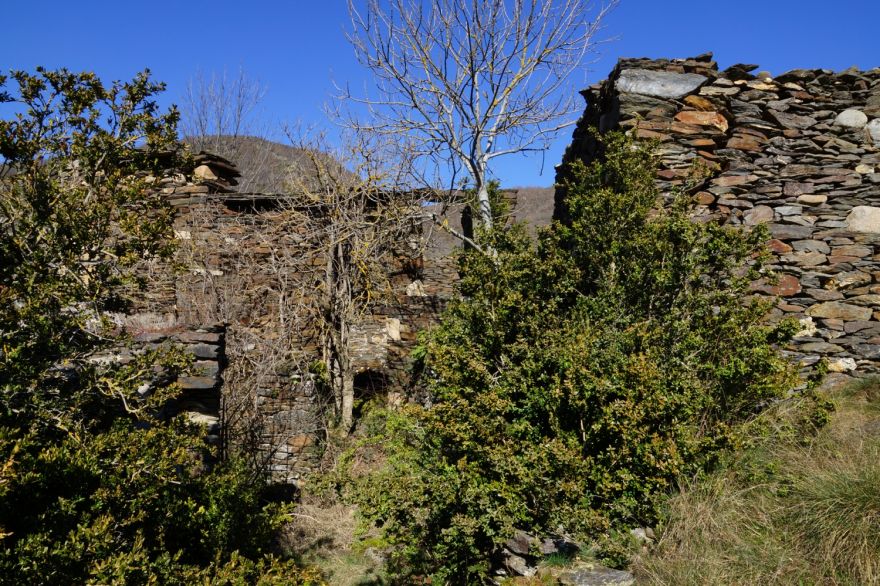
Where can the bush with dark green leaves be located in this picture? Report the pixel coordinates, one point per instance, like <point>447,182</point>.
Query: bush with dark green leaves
<point>96,485</point>
<point>577,378</point>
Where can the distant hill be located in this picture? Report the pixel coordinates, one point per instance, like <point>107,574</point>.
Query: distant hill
<point>265,166</point>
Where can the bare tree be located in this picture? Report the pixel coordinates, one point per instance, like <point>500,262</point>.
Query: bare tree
<point>221,115</point>
<point>472,80</point>
<point>360,221</point>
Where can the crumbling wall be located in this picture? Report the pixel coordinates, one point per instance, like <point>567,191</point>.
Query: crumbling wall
<point>200,397</point>
<point>242,259</point>
<point>798,152</point>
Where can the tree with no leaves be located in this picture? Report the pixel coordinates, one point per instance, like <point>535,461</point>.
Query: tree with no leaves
<point>472,80</point>
<point>363,228</point>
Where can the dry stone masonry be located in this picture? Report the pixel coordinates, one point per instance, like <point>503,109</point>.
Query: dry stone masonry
<point>240,260</point>
<point>200,396</point>
<point>799,151</point>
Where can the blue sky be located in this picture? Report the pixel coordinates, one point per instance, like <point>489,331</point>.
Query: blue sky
<point>297,48</point>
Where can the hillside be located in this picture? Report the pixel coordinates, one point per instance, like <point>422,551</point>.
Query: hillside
<point>266,166</point>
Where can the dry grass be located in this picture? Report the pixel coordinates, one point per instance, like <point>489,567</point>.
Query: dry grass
<point>323,534</point>
<point>792,510</point>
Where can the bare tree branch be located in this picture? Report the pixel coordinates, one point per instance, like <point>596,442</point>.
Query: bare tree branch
<point>471,80</point>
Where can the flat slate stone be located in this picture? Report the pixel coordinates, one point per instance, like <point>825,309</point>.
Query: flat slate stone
<point>785,286</point>
<point>790,232</point>
<point>597,576</point>
<point>820,347</point>
<point>792,120</point>
<point>869,300</point>
<point>203,351</point>
<point>660,84</point>
<point>201,383</point>
<point>838,310</point>
<point>812,199</point>
<point>759,215</point>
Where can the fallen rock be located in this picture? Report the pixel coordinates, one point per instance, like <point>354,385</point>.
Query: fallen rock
<point>521,542</point>
<point>591,575</point>
<point>518,566</point>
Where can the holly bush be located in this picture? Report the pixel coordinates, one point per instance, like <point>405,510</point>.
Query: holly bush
<point>577,378</point>
<point>96,484</point>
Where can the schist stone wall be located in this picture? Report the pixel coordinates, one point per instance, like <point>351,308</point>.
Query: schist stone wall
<point>200,396</point>
<point>798,151</point>
<point>239,261</point>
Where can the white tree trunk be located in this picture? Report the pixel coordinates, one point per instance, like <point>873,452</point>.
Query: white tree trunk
<point>484,207</point>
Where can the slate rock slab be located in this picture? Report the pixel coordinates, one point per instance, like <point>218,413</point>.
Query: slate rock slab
<point>660,84</point>
<point>596,576</point>
<point>838,310</point>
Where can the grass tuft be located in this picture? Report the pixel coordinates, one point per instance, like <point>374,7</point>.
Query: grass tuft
<point>795,508</point>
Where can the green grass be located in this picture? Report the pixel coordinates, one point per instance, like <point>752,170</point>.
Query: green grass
<point>794,508</point>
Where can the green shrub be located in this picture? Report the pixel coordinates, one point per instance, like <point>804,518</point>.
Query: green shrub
<point>578,376</point>
<point>95,485</point>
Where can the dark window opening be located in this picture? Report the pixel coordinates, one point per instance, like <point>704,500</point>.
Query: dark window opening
<point>368,386</point>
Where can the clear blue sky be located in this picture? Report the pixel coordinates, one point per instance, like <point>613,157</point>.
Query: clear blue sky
<point>296,48</point>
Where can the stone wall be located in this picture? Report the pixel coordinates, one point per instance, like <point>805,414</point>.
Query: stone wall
<point>240,260</point>
<point>200,398</point>
<point>796,151</point>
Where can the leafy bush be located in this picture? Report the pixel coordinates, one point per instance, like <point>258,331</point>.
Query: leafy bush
<point>96,486</point>
<point>578,376</point>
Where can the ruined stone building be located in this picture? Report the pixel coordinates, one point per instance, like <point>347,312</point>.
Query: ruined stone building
<point>798,151</point>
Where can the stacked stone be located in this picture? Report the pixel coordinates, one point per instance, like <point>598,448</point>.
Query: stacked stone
<point>229,243</point>
<point>293,424</point>
<point>201,388</point>
<point>798,152</point>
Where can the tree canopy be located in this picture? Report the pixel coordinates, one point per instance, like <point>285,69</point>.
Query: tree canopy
<point>577,378</point>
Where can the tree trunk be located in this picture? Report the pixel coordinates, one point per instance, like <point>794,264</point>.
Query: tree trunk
<point>347,413</point>
<point>484,207</point>
<point>336,352</point>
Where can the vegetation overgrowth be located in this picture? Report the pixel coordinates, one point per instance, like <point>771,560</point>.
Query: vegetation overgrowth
<point>98,484</point>
<point>576,379</point>
<point>574,383</point>
<point>800,505</point>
